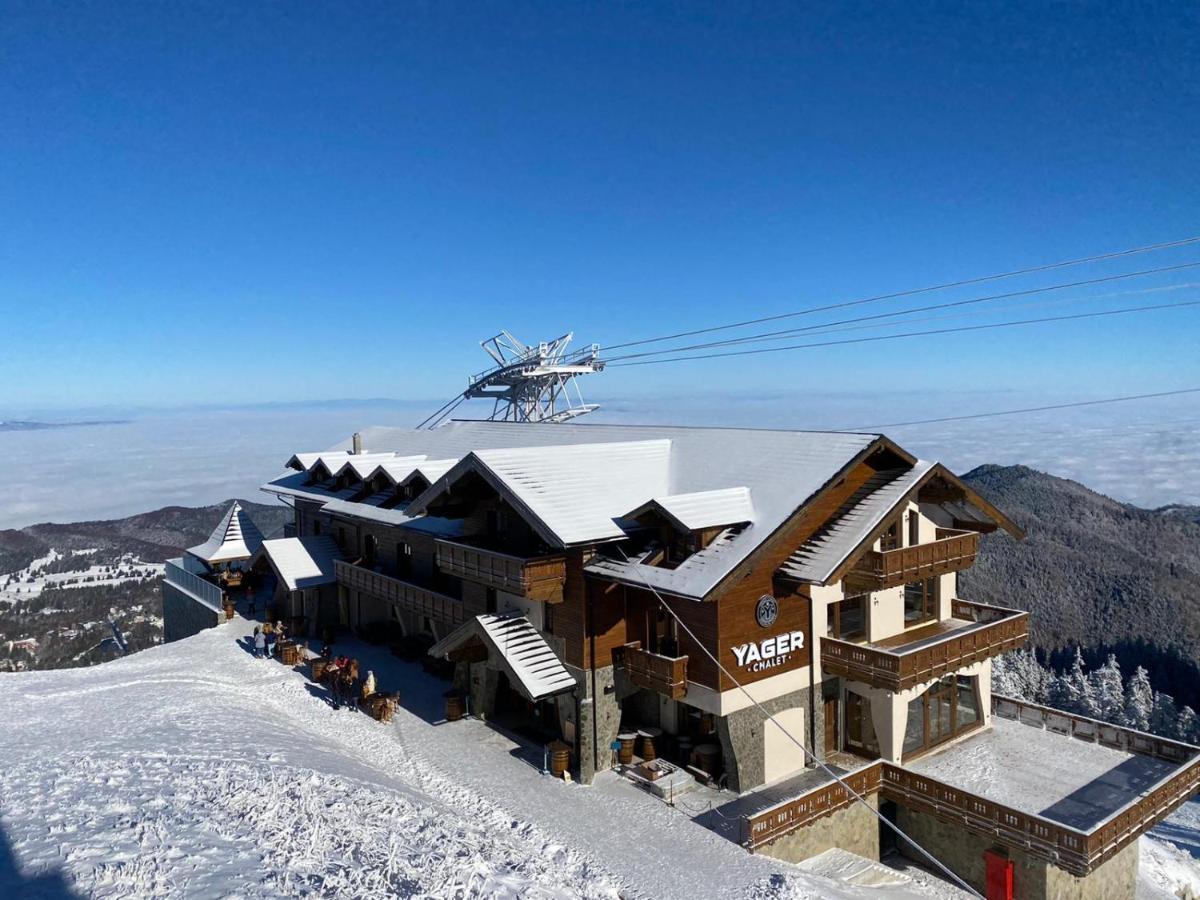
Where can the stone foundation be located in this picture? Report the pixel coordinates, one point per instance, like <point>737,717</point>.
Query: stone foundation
<point>852,828</point>
<point>1033,878</point>
<point>605,711</point>
<point>742,742</point>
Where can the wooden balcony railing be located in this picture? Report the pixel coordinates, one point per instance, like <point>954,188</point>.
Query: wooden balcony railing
<point>407,597</point>
<point>951,552</point>
<point>667,675</point>
<point>536,577</point>
<point>1075,850</point>
<point>994,630</point>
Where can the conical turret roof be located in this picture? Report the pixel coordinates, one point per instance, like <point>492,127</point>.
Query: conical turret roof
<point>235,538</point>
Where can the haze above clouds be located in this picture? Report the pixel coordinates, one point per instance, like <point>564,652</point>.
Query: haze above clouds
<point>1141,453</point>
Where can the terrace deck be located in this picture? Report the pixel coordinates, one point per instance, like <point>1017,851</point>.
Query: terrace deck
<point>1072,782</point>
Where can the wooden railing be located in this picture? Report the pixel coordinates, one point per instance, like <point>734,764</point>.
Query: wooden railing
<point>1075,850</point>
<point>537,577</point>
<point>767,825</point>
<point>951,552</point>
<point>666,675</point>
<point>407,597</point>
<point>997,630</point>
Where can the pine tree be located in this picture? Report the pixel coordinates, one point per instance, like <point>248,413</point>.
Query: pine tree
<point>1109,689</point>
<point>1187,727</point>
<point>1165,717</point>
<point>1083,696</point>
<point>1139,701</point>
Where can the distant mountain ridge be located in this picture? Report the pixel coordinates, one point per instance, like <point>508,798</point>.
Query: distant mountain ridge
<point>152,536</point>
<point>24,425</point>
<point>1095,572</point>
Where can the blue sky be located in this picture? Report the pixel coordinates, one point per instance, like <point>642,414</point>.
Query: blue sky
<point>224,203</point>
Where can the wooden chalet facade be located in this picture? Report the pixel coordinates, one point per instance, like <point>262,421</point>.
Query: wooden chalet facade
<point>588,580</point>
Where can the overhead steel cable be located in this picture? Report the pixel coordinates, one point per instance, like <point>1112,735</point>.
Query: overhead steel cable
<point>1027,409</point>
<point>908,334</point>
<point>777,335</point>
<point>799,743</point>
<point>1148,248</point>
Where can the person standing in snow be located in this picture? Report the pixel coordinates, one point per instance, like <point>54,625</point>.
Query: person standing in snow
<point>260,643</point>
<point>368,687</point>
<point>269,631</point>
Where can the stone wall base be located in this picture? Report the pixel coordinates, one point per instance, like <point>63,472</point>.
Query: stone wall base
<point>853,828</point>
<point>1033,878</point>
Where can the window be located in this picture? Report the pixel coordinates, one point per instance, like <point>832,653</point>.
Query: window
<point>847,619</point>
<point>949,708</point>
<point>920,601</point>
<point>490,599</point>
<point>914,528</point>
<point>890,539</point>
<point>860,727</point>
<point>370,549</point>
<point>316,528</point>
<point>403,557</point>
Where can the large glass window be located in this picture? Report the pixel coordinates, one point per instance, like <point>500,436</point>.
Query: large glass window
<point>848,618</point>
<point>920,601</point>
<point>860,727</point>
<point>949,708</point>
<point>890,539</point>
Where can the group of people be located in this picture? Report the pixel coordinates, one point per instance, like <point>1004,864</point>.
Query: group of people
<point>267,640</point>
<point>345,685</point>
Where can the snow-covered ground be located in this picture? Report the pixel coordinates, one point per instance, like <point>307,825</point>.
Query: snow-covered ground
<point>195,770</point>
<point>1070,781</point>
<point>29,582</point>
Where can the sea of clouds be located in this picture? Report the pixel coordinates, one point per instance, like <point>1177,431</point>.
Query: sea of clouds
<point>1144,453</point>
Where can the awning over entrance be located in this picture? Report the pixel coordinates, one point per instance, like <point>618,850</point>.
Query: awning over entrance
<point>518,647</point>
<point>302,562</point>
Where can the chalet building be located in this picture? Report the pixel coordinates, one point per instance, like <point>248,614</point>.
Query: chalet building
<point>587,582</point>
<point>817,569</point>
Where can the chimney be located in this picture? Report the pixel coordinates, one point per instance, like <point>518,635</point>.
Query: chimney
<point>357,443</point>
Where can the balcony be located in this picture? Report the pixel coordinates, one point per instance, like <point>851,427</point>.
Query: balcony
<point>951,552</point>
<point>666,675</point>
<point>1068,790</point>
<point>974,632</point>
<point>405,596</point>
<point>533,577</point>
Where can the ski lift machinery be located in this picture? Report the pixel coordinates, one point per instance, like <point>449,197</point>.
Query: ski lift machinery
<point>529,382</point>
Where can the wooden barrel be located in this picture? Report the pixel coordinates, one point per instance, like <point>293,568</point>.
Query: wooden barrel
<point>708,758</point>
<point>648,739</point>
<point>230,609</point>
<point>319,665</point>
<point>454,707</point>
<point>560,758</point>
<point>683,750</point>
<point>289,653</point>
<point>625,754</point>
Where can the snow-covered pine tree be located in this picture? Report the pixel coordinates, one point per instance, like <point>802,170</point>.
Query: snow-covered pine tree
<point>1165,716</point>
<point>1187,727</point>
<point>1109,689</point>
<point>1139,701</point>
<point>1083,696</point>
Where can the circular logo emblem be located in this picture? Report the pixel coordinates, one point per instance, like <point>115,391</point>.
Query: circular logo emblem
<point>767,611</point>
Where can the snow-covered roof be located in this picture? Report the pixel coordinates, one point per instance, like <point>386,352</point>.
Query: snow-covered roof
<point>577,480</point>
<point>821,555</point>
<point>703,509</point>
<point>235,537</point>
<point>431,470</point>
<point>519,647</point>
<point>396,468</point>
<point>363,464</point>
<point>303,562</point>
<point>574,492</point>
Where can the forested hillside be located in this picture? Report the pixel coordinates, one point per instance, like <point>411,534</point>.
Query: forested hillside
<point>1095,573</point>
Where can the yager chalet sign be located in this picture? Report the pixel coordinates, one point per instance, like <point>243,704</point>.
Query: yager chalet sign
<point>769,652</point>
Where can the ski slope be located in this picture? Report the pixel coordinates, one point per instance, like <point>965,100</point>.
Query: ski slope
<point>195,770</point>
